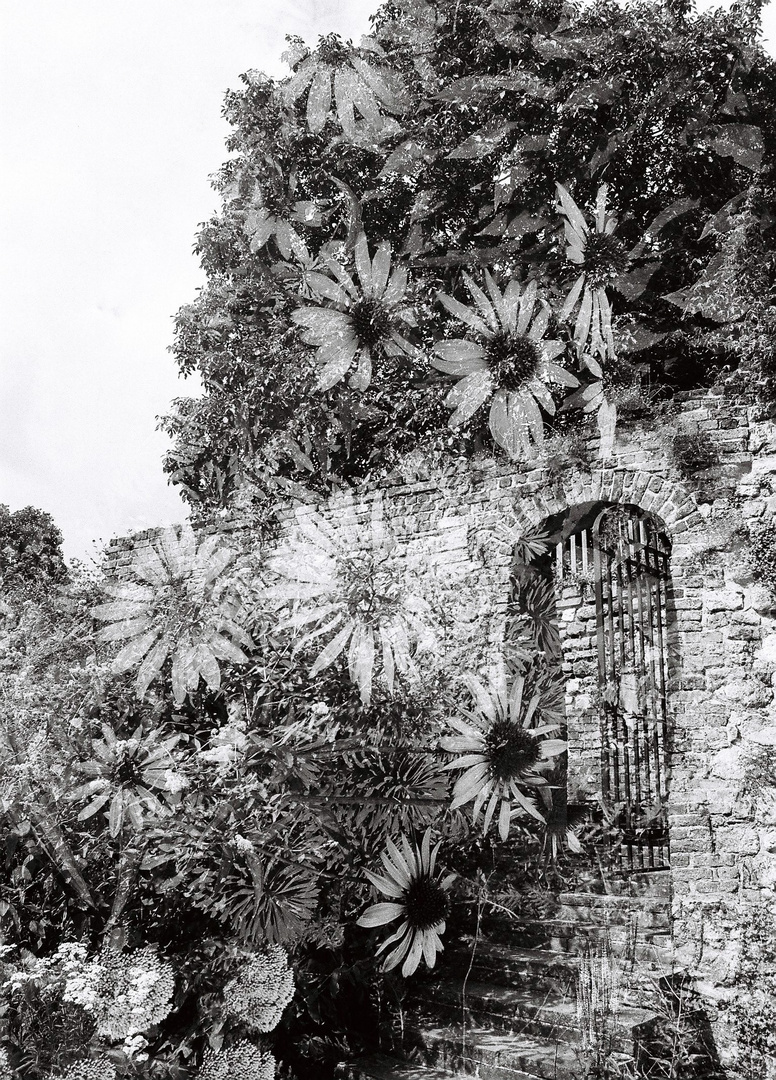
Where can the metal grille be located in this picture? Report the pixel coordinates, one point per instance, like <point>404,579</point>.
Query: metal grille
<point>631,569</point>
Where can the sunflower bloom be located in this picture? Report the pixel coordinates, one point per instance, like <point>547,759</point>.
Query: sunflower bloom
<point>343,583</point>
<point>602,260</point>
<point>501,751</point>
<point>418,897</point>
<point>177,606</point>
<point>356,323</point>
<point>335,74</point>
<point>508,363</point>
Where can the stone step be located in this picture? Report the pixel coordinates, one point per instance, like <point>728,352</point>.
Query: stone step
<point>385,1067</point>
<point>651,946</point>
<point>643,912</point>
<point>507,965</point>
<point>497,1055</point>
<point>615,903</point>
<point>540,969</point>
<point>522,1011</point>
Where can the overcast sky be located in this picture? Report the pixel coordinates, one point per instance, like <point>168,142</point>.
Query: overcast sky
<point>109,128</point>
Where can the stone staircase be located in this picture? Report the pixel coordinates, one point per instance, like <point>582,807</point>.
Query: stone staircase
<point>504,1007</point>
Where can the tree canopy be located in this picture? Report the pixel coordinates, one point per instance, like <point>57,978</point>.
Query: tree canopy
<point>465,138</point>
<point>30,550</point>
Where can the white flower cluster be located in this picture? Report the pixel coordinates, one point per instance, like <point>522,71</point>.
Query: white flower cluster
<point>90,1069</point>
<point>240,1061</point>
<point>175,782</point>
<point>126,992</point>
<point>260,991</point>
<point>5,1066</point>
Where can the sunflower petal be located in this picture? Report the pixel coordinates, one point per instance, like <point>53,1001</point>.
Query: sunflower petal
<point>503,819</point>
<point>385,885</point>
<point>467,396</point>
<point>381,266</point>
<point>465,314</point>
<point>572,211</point>
<point>413,957</point>
<point>380,914</point>
<point>483,303</point>
<point>363,263</point>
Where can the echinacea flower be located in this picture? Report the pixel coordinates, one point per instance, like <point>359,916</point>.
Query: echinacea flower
<point>502,750</point>
<point>509,363</point>
<point>355,323</point>
<point>179,606</point>
<point>268,216</point>
<point>602,259</point>
<point>344,582</point>
<point>418,897</point>
<point>128,777</point>
<point>335,74</point>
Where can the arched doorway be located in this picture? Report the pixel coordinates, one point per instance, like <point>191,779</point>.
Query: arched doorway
<point>592,582</point>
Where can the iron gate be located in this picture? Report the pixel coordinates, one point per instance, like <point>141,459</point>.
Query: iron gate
<point>631,572</point>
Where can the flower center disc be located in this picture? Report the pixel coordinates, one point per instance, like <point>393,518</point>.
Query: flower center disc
<point>511,750</point>
<point>370,322</point>
<point>513,359</point>
<point>126,772</point>
<point>605,259</point>
<point>426,902</point>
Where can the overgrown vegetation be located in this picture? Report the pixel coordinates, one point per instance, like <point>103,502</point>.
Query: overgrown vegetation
<point>229,769</point>
<point>436,147</point>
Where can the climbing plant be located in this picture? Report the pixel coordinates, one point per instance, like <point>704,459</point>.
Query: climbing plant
<point>386,204</point>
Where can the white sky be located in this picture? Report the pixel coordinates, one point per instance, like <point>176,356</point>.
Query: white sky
<point>109,128</point>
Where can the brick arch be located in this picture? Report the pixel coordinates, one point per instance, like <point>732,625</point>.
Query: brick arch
<point>668,500</point>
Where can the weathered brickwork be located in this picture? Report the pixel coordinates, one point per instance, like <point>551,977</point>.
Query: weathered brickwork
<point>721,631</point>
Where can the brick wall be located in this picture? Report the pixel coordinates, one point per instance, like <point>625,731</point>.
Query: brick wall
<point>460,524</point>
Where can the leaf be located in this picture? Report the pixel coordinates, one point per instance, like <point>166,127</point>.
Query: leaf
<point>354,224</point>
<point>585,398</point>
<point>742,142</point>
<point>331,651</point>
<point>208,666</point>
<point>319,100</point>
<point>524,224</point>
<point>591,94</point>
<point>120,609</point>
<point>483,142</point>
<point>149,567</point>
<point>224,649</point>
<point>116,814</point>
<point>633,284</point>
<point>471,87</point>
<point>724,220</point>
<point>133,652</point>
<point>406,157</point>
<point>128,628</point>
<point>151,667</point>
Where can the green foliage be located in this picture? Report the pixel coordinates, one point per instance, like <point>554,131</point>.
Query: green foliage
<point>693,452</point>
<point>445,135</point>
<point>762,555</point>
<point>30,551</point>
<point>753,1011</point>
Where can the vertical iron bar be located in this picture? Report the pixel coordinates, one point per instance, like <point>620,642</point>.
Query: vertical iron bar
<point>607,753</point>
